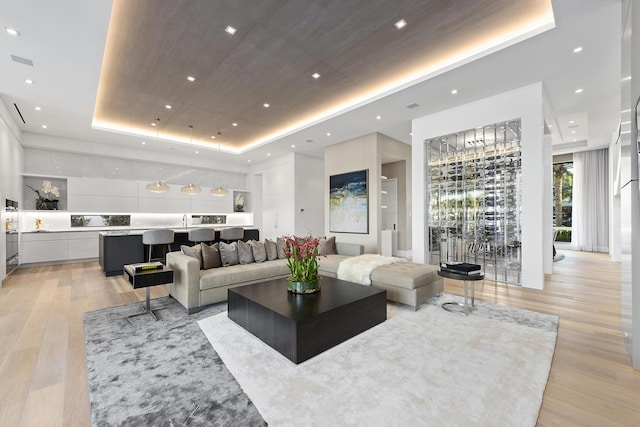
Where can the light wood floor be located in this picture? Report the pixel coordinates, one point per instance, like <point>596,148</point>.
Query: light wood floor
<point>43,369</point>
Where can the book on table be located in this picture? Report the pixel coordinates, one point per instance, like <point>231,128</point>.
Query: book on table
<point>461,268</point>
<point>147,266</point>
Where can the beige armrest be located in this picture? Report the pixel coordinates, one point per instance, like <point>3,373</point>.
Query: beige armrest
<point>186,279</point>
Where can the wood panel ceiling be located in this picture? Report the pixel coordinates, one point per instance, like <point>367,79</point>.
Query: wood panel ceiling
<point>153,45</point>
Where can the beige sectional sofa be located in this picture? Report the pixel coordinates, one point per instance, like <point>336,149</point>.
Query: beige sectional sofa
<point>195,288</point>
<point>405,282</point>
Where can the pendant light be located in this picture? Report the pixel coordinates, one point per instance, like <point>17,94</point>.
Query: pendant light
<point>219,191</point>
<point>191,189</point>
<point>157,186</point>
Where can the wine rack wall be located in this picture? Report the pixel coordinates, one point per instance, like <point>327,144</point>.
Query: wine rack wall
<point>474,185</point>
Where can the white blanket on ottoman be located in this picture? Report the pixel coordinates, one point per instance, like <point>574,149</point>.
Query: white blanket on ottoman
<point>358,269</point>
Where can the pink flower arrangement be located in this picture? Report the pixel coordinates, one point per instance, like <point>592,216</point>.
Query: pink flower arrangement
<point>302,258</point>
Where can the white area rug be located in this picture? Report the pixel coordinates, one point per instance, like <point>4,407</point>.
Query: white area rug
<point>358,269</point>
<point>429,367</point>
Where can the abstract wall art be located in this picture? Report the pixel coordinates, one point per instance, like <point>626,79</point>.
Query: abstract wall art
<point>349,202</point>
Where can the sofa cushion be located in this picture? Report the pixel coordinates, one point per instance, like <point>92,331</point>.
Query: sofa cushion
<point>259,251</point>
<point>193,251</point>
<point>239,274</point>
<point>327,246</point>
<point>272,249</point>
<point>229,253</point>
<point>245,254</point>
<point>328,265</point>
<point>211,256</point>
<point>406,275</point>
<point>281,244</point>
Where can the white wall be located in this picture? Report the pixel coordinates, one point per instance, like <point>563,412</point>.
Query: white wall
<point>630,193</point>
<point>309,195</point>
<point>278,197</point>
<point>524,103</point>
<point>11,161</point>
<point>349,156</point>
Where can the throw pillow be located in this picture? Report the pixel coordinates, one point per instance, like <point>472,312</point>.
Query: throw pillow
<point>193,251</point>
<point>211,256</point>
<point>229,253</point>
<point>272,249</point>
<point>327,246</point>
<point>281,244</point>
<point>245,254</point>
<point>259,251</point>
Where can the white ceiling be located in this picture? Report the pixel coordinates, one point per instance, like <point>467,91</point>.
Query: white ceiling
<point>65,40</point>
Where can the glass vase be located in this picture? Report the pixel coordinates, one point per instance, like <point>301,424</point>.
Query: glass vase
<point>309,287</point>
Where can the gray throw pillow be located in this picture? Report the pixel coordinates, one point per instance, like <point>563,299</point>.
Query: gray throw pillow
<point>259,251</point>
<point>211,256</point>
<point>245,254</point>
<point>272,249</point>
<point>193,251</point>
<point>327,246</point>
<point>229,253</point>
<point>281,243</point>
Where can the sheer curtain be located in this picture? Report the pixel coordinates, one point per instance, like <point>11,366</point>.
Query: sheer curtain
<point>590,217</point>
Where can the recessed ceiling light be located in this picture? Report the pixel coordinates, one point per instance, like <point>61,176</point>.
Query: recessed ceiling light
<point>575,139</point>
<point>293,146</point>
<point>213,137</point>
<point>400,24</point>
<point>265,105</point>
<point>38,108</point>
<point>153,124</point>
<point>315,75</point>
<point>144,143</point>
<point>268,154</point>
<point>378,117</point>
<point>454,91</point>
<point>234,124</point>
<point>197,152</point>
<point>44,126</point>
<point>577,49</point>
<point>571,122</point>
<point>12,31</point>
<point>29,81</point>
<point>168,107</point>
<point>328,133</point>
<point>624,79</point>
<point>249,161</point>
<point>579,90</point>
<point>573,131</point>
<point>230,30</point>
<point>191,78</point>
<point>410,133</point>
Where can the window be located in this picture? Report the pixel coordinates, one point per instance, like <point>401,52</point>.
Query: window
<point>562,200</point>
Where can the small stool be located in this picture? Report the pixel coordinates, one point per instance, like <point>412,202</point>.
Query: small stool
<point>198,235</point>
<point>157,237</point>
<point>231,234</point>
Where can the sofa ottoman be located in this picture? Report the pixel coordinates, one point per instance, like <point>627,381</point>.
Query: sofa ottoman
<point>408,283</point>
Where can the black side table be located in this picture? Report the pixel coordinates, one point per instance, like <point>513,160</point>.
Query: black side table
<point>146,279</point>
<point>466,278</point>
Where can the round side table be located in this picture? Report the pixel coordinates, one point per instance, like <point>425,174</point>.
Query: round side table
<point>466,309</point>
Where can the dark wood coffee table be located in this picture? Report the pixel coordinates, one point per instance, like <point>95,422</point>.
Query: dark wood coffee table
<point>302,326</point>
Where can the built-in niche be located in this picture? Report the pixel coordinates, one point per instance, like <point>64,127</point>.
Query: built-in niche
<point>45,193</point>
<point>100,220</point>
<point>474,183</point>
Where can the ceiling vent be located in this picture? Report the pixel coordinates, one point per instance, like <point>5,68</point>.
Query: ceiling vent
<point>412,106</point>
<point>19,113</point>
<point>21,60</point>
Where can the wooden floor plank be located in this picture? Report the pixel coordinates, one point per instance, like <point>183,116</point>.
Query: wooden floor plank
<point>43,366</point>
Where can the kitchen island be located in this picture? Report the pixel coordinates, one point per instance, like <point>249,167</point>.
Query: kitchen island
<point>117,248</point>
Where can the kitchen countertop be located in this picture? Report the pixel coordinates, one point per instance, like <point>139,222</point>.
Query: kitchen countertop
<point>129,232</point>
